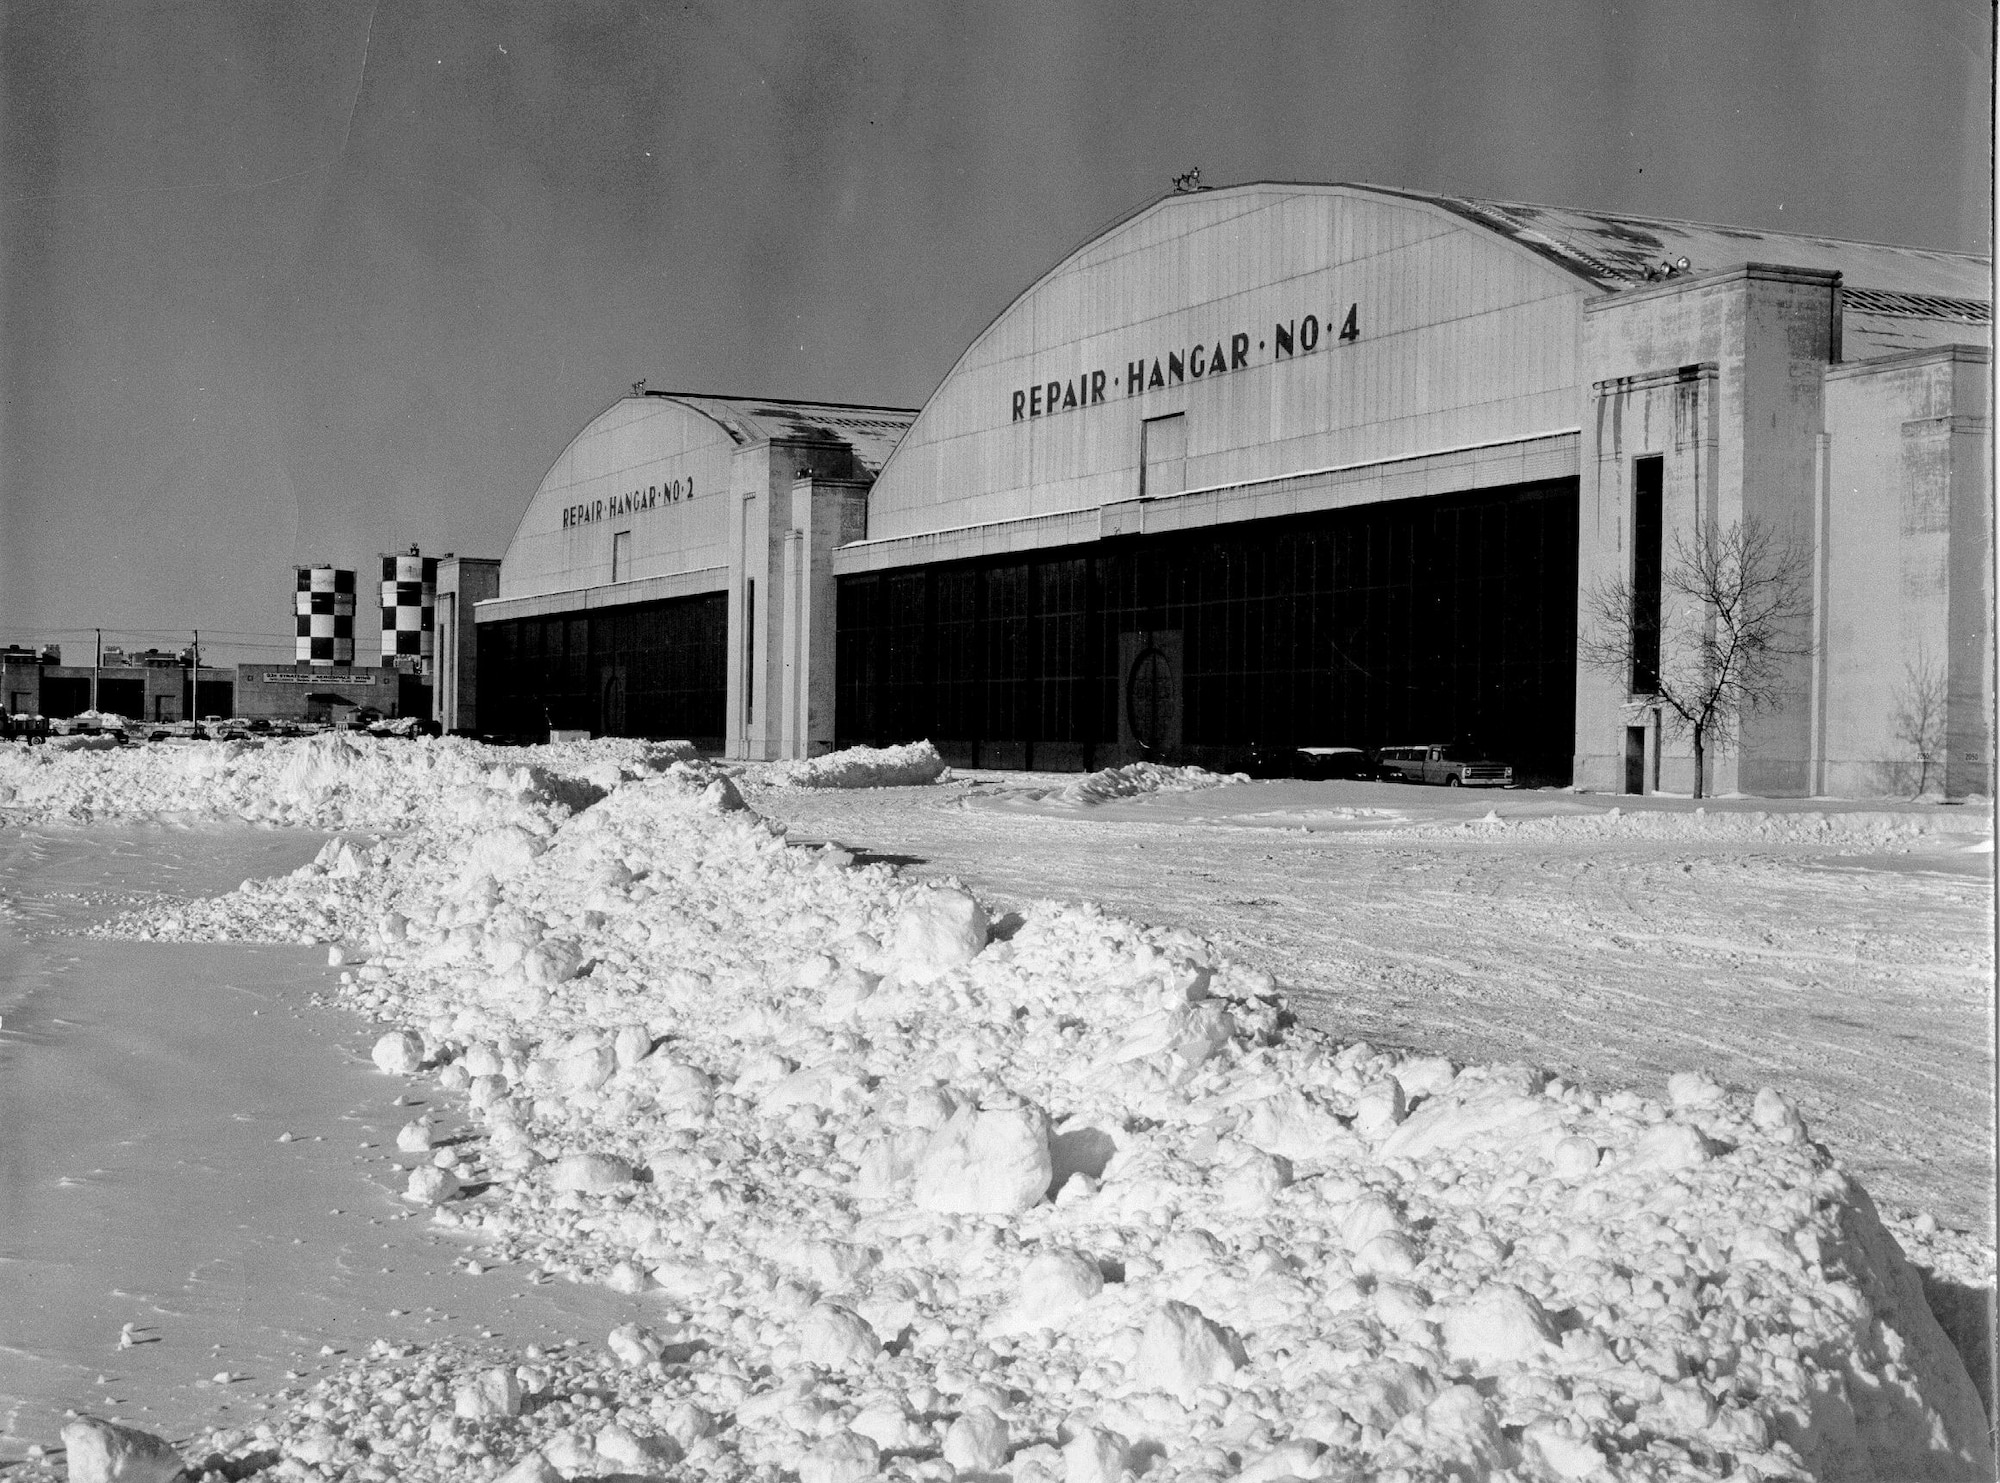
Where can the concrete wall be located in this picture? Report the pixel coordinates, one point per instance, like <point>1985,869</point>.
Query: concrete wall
<point>299,692</point>
<point>1464,339</point>
<point>21,686</point>
<point>1907,551</point>
<point>650,447</point>
<point>1721,374</point>
<point>462,583</point>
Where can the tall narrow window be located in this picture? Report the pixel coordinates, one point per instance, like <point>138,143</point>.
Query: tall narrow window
<point>749,651</point>
<point>1163,449</point>
<point>621,556</point>
<point>1648,475</point>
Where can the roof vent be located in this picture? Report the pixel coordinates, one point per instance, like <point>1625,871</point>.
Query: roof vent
<point>1189,183</point>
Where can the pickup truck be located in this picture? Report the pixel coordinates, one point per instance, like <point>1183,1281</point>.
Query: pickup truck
<point>1452,764</point>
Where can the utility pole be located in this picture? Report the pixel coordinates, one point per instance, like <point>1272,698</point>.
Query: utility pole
<point>97,669</point>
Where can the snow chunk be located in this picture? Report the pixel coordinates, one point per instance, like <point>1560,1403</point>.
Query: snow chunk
<point>679,1085</point>
<point>938,930</point>
<point>1054,1285</point>
<point>846,1458</point>
<point>533,1468</point>
<point>1181,1351</point>
<point>629,1452</point>
<point>1292,1126</point>
<point>1563,1451</point>
<point>1774,1113</point>
<point>836,1338</point>
<point>1456,1434</point>
<point>104,1452</point>
<point>553,960</point>
<point>1094,1455</point>
<point>631,1046</point>
<point>1499,1324</point>
<point>977,1442</point>
<point>491,1393</point>
<point>1424,1076</point>
<point>1192,1031</point>
<point>502,852</point>
<point>1668,1147</point>
<point>861,767</point>
<point>634,1345</point>
<point>1294,1459</point>
<point>1461,1118</point>
<point>430,1185</point>
<point>985,1163</point>
<point>1381,1106</point>
<point>1693,1089</point>
<point>1573,1157</point>
<point>586,1067</point>
<point>399,1053</point>
<point>591,1173</point>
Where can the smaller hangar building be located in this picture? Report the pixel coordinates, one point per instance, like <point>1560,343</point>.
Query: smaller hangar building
<point>1291,464</point>
<point>671,576</point>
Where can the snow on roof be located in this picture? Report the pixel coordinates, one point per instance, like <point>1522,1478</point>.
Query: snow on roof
<point>1615,251</point>
<point>872,432</point>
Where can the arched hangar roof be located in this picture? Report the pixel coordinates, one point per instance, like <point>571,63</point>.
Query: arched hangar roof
<point>1611,251</point>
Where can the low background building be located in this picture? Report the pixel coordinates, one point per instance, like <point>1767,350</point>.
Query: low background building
<point>150,686</point>
<point>339,696</point>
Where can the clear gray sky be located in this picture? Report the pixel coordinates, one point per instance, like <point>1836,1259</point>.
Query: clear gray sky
<point>305,282</point>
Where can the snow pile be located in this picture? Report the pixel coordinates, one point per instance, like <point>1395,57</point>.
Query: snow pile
<point>859,767</point>
<point>1843,829</point>
<point>1136,778</point>
<point>888,1195</point>
<point>340,780</point>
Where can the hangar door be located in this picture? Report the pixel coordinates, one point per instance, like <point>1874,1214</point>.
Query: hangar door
<point>647,669</point>
<point>1450,618</point>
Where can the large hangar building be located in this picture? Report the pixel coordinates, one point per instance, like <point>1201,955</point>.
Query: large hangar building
<point>1283,464</point>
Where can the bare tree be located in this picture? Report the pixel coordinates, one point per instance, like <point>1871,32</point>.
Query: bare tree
<point>1920,713</point>
<point>1709,644</point>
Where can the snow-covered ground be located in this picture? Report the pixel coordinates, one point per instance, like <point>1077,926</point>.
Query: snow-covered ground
<point>1842,951</point>
<point>887,1191</point>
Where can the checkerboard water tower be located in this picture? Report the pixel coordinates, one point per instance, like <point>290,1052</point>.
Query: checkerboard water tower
<point>324,609</point>
<point>409,609</point>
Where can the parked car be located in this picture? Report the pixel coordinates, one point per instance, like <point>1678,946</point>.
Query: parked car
<point>1337,762</point>
<point>1455,764</point>
<point>1310,762</point>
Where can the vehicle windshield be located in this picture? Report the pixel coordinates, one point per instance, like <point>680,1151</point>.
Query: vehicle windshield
<point>1464,752</point>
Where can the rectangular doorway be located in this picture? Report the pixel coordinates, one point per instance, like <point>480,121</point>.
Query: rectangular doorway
<point>1635,759</point>
<point>1163,455</point>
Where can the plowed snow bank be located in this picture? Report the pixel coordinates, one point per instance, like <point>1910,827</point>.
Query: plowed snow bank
<point>881,1188</point>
